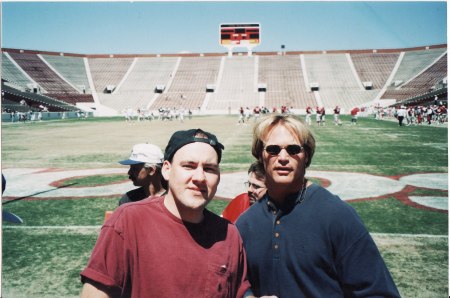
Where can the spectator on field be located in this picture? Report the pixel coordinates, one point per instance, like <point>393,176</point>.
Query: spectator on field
<point>337,112</point>
<point>401,114</point>
<point>256,188</point>
<point>318,116</point>
<point>172,246</point>
<point>247,114</point>
<point>308,115</point>
<point>145,164</point>
<point>241,116</point>
<point>300,239</point>
<point>256,112</point>
<point>410,116</point>
<point>322,116</point>
<point>354,113</point>
<point>181,114</point>
<point>429,114</point>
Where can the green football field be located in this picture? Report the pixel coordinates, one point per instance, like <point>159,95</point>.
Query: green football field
<point>43,256</point>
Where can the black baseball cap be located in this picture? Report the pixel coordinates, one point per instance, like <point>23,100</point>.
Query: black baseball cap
<point>183,137</point>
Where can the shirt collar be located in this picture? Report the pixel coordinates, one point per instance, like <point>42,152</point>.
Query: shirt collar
<point>289,202</point>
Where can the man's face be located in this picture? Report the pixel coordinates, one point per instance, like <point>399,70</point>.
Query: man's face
<point>193,176</point>
<point>284,172</point>
<point>139,175</point>
<point>256,188</point>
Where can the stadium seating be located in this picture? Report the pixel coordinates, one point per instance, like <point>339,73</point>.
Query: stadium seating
<point>285,83</point>
<point>217,83</point>
<point>133,80</point>
<point>11,73</point>
<point>34,101</point>
<point>72,69</point>
<point>46,80</point>
<point>337,82</point>
<point>41,73</point>
<point>236,85</point>
<point>374,67</point>
<point>188,88</point>
<point>414,62</point>
<point>425,74</point>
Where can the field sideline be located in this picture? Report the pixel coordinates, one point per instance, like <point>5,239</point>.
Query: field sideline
<point>395,177</point>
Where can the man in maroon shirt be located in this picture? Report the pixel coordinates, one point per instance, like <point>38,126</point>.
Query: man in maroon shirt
<point>172,246</point>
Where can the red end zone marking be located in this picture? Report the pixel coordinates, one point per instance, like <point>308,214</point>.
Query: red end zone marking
<point>60,183</point>
<point>403,196</point>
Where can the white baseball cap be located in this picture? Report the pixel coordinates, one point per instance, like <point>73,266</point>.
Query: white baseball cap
<point>144,153</point>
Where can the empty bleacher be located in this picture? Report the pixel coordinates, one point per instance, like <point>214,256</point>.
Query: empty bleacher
<point>134,80</point>
<point>46,78</point>
<point>284,81</point>
<point>108,71</point>
<point>72,69</point>
<point>337,82</point>
<point>12,97</point>
<point>375,67</point>
<point>237,86</point>
<point>11,73</point>
<point>119,82</point>
<point>414,62</point>
<point>188,88</point>
<point>422,83</point>
<point>48,82</point>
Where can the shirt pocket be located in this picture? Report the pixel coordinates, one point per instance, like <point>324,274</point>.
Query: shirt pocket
<point>219,281</point>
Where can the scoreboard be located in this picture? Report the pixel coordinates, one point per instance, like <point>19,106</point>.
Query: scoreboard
<point>240,34</point>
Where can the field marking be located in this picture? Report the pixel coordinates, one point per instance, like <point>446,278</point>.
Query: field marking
<point>52,227</point>
<point>408,235</point>
<point>98,227</point>
<point>28,183</point>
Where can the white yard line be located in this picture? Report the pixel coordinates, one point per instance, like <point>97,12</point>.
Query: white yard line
<point>407,235</point>
<point>51,227</point>
<point>98,227</point>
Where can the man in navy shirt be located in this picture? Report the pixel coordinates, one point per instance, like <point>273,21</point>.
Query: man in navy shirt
<point>301,240</point>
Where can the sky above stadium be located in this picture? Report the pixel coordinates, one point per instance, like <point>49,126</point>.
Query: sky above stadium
<point>138,27</point>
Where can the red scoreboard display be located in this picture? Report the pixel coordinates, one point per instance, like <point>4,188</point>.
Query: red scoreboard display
<point>239,34</point>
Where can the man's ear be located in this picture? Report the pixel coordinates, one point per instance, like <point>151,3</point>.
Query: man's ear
<point>151,170</point>
<point>165,170</point>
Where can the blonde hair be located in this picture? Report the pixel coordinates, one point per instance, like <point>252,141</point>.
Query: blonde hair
<point>296,126</point>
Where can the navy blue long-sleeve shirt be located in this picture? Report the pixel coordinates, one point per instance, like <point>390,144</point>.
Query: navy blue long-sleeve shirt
<point>316,246</point>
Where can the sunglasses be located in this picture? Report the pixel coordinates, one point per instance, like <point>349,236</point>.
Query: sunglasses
<point>255,186</point>
<point>290,149</point>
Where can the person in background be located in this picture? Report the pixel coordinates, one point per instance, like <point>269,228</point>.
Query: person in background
<point>401,114</point>
<point>172,246</point>
<point>145,164</point>
<point>300,239</point>
<point>337,112</point>
<point>308,115</point>
<point>354,113</point>
<point>318,116</point>
<point>256,189</point>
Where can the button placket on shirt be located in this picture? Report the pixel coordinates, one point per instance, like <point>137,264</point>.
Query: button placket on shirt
<point>276,214</point>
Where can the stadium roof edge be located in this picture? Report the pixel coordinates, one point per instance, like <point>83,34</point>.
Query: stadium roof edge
<point>393,50</point>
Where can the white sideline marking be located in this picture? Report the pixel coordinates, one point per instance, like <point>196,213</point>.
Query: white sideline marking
<point>99,227</point>
<point>409,235</point>
<point>51,227</point>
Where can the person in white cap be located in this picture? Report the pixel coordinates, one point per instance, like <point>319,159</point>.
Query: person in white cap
<point>145,164</point>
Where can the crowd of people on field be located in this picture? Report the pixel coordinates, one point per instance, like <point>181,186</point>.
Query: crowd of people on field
<point>414,115</point>
<point>161,114</point>
<point>246,113</point>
